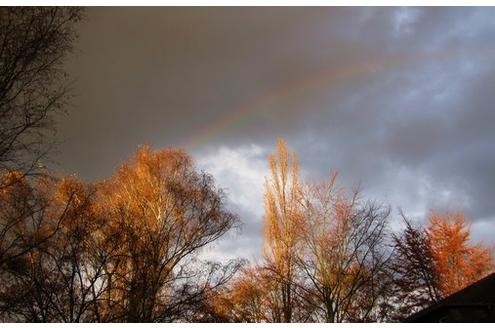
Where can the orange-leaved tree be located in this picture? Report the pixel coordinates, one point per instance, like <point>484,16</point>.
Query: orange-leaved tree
<point>162,212</point>
<point>458,261</point>
<point>249,297</point>
<point>124,249</point>
<point>282,219</point>
<point>51,254</point>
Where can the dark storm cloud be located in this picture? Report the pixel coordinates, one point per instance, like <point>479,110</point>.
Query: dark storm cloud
<point>398,99</point>
<point>159,75</point>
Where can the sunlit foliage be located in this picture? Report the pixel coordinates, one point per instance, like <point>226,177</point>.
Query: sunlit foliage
<point>458,261</point>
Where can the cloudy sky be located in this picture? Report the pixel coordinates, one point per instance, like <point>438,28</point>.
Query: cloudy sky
<point>399,100</point>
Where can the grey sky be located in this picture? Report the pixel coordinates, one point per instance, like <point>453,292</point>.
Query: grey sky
<point>399,100</point>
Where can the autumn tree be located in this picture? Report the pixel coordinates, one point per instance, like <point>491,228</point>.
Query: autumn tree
<point>75,257</point>
<point>432,262</point>
<point>33,44</point>
<point>245,299</point>
<point>250,296</point>
<point>343,253</point>
<point>458,261</point>
<point>48,269</point>
<point>24,224</point>
<point>163,212</point>
<point>124,249</point>
<point>282,220</point>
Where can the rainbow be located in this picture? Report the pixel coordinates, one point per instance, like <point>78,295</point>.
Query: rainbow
<point>329,78</point>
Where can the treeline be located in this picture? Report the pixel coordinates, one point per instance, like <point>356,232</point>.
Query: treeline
<point>129,248</point>
<point>123,249</point>
<point>331,256</point>
<point>126,249</point>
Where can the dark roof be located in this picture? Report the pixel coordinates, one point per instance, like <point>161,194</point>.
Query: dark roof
<point>479,294</point>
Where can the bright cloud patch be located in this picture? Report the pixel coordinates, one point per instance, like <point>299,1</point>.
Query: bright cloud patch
<point>240,172</point>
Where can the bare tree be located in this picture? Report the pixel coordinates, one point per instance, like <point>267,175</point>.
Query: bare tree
<point>416,280</point>
<point>33,87</point>
<point>343,255</point>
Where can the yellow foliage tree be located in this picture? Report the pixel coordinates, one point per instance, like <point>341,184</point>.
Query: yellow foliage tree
<point>283,217</point>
